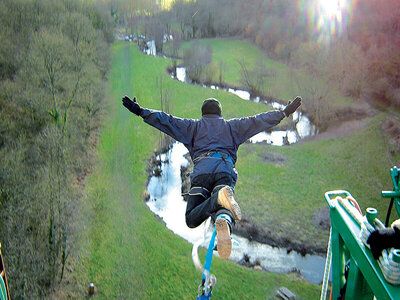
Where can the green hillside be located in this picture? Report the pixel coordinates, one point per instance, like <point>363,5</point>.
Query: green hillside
<point>129,253</point>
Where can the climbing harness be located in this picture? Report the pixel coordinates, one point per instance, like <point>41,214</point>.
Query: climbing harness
<point>215,154</point>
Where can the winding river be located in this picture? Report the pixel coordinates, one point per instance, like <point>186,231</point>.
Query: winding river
<point>166,200</point>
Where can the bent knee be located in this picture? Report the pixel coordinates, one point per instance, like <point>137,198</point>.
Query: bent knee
<point>189,222</point>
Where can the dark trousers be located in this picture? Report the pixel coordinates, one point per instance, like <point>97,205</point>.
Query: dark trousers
<point>202,200</point>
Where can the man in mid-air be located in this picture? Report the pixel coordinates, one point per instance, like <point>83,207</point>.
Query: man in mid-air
<point>213,143</point>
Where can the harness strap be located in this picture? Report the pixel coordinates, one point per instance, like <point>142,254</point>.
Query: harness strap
<point>215,154</point>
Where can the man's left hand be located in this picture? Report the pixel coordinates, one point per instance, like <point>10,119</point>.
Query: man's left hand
<point>292,106</point>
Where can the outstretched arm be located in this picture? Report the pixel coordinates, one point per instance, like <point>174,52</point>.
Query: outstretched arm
<point>245,128</point>
<point>178,128</point>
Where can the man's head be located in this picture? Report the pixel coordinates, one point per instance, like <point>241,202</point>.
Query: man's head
<point>211,106</point>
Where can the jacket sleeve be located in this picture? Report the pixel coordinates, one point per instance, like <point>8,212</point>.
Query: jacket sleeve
<point>244,128</point>
<point>177,128</point>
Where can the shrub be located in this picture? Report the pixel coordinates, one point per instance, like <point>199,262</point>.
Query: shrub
<point>196,58</point>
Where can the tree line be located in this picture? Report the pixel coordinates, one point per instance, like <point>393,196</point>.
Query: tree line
<point>54,59</point>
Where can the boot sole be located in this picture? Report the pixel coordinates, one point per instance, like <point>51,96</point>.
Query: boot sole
<point>227,200</point>
<point>224,242</point>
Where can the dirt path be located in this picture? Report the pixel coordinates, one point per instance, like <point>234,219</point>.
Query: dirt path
<point>354,120</point>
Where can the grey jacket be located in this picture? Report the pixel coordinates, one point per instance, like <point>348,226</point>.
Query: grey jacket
<point>212,133</point>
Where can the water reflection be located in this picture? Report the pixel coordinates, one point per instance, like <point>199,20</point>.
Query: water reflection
<point>151,48</point>
<point>277,137</point>
<point>166,201</point>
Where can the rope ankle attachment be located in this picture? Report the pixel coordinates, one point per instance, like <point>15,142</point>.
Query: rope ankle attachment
<point>227,218</point>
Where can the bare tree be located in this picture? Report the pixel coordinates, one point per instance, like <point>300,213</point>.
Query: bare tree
<point>313,86</point>
<point>253,80</point>
<point>345,67</point>
<point>222,67</point>
<point>165,141</point>
<point>316,95</point>
<point>196,58</point>
<point>180,8</point>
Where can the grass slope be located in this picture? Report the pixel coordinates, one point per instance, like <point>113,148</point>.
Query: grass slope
<point>283,85</point>
<point>233,51</point>
<point>128,253</point>
<point>290,194</point>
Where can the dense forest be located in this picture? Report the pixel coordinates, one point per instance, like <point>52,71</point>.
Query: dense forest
<point>54,60</point>
<point>53,65</point>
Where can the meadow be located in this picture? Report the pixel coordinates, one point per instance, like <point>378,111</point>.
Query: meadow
<point>129,253</point>
<point>286,82</point>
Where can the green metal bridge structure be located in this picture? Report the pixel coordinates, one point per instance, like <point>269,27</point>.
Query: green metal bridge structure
<point>356,274</point>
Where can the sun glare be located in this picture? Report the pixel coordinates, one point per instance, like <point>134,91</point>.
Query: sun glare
<point>327,19</point>
<point>332,8</point>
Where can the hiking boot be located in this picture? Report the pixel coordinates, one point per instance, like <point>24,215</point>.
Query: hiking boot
<point>226,200</point>
<point>224,243</point>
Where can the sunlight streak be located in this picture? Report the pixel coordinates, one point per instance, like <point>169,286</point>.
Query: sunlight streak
<point>327,19</point>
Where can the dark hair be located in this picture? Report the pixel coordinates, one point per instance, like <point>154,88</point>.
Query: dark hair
<point>211,106</point>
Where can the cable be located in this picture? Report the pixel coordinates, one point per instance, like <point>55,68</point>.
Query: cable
<point>327,270</point>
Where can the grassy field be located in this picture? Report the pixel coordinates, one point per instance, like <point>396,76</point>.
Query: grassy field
<point>231,52</point>
<point>128,253</point>
<point>284,86</point>
<point>290,195</point>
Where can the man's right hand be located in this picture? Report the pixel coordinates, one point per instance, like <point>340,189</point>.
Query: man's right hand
<point>133,106</point>
<point>292,106</point>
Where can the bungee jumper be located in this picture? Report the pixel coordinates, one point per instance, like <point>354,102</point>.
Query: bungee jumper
<point>213,143</point>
